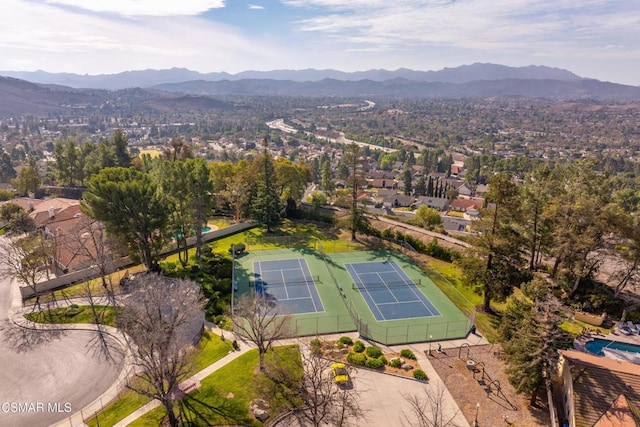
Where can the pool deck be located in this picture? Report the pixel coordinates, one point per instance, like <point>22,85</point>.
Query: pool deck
<point>579,343</point>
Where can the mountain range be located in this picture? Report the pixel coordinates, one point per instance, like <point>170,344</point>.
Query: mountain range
<point>148,78</point>
<point>183,90</point>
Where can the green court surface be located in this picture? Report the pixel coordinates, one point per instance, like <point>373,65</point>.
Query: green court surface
<point>345,307</point>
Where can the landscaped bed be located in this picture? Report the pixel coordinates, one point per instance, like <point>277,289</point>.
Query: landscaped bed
<point>370,356</point>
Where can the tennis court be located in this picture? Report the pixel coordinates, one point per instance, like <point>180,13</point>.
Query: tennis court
<point>389,292</point>
<point>290,283</point>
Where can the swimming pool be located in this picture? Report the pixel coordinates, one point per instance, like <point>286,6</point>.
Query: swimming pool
<point>596,346</point>
<point>206,229</point>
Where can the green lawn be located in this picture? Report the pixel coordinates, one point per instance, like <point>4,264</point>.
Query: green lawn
<point>447,276</point>
<point>74,314</point>
<point>213,402</point>
<point>212,349</point>
<point>576,327</point>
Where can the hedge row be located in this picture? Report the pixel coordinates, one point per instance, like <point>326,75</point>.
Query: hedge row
<point>432,249</point>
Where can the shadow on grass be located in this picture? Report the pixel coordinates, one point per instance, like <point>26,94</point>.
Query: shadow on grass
<point>218,410</point>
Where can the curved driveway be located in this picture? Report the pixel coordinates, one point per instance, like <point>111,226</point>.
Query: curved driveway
<point>52,374</point>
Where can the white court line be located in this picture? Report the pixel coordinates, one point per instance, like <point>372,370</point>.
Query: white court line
<point>413,290</point>
<point>367,291</point>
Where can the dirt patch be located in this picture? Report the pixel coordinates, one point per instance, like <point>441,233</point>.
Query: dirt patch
<point>499,403</point>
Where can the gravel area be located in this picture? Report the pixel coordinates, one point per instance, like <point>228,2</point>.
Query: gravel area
<point>497,408</point>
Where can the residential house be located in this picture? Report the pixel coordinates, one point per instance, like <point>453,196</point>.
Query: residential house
<point>598,391</point>
<point>74,235</point>
<point>466,190</point>
<point>462,205</point>
<point>437,203</point>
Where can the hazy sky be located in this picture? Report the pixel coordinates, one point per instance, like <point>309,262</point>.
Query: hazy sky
<point>593,38</point>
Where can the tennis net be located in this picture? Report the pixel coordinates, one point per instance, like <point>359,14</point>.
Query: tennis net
<point>385,285</point>
<point>300,282</point>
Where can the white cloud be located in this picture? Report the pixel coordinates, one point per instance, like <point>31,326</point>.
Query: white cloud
<point>143,7</point>
<point>56,39</point>
<point>255,7</point>
<point>475,24</point>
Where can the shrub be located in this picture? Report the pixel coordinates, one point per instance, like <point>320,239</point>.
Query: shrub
<point>339,345</point>
<point>383,360</point>
<point>374,351</point>
<point>419,374</point>
<point>396,363</point>
<point>408,354</point>
<point>358,346</point>
<point>316,346</point>
<point>346,340</point>
<point>357,359</point>
<point>374,363</point>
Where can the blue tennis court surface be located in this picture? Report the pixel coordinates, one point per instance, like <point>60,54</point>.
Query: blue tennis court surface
<point>288,281</point>
<point>389,292</point>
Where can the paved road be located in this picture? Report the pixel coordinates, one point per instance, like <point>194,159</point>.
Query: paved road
<point>41,368</point>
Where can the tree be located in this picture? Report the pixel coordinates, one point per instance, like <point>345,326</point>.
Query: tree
<point>186,187</point>
<point>265,206</point>
<point>164,319</point>
<point>531,340</point>
<point>499,241</point>
<point>582,214</point>
<point>290,180</point>
<point>407,180</point>
<point>536,193</point>
<point>17,219</point>
<point>630,254</point>
<point>421,187</point>
<point>429,410</point>
<point>258,318</point>
<point>327,185</point>
<point>120,142</point>
<point>303,381</point>
<point>357,220</point>
<point>128,203</point>
<point>7,172</point>
<point>28,180</point>
<point>27,258</point>
<point>428,217</point>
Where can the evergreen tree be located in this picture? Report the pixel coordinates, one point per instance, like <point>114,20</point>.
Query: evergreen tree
<point>499,244</point>
<point>127,201</point>
<point>531,339</point>
<point>120,148</point>
<point>430,187</point>
<point>407,180</point>
<point>316,170</point>
<point>7,172</point>
<point>421,187</point>
<point>327,184</point>
<point>266,203</point>
<point>357,220</point>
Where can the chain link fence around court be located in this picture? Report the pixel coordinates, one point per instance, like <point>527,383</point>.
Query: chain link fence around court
<point>388,335</point>
<point>403,334</point>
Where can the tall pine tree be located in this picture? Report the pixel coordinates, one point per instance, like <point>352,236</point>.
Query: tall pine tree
<point>266,203</point>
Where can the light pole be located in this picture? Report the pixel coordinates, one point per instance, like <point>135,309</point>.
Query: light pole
<point>430,339</point>
<point>475,421</point>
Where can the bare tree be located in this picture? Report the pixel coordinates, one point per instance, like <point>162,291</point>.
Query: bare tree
<point>429,410</point>
<point>27,258</point>
<point>307,386</point>
<point>257,318</point>
<point>163,318</point>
